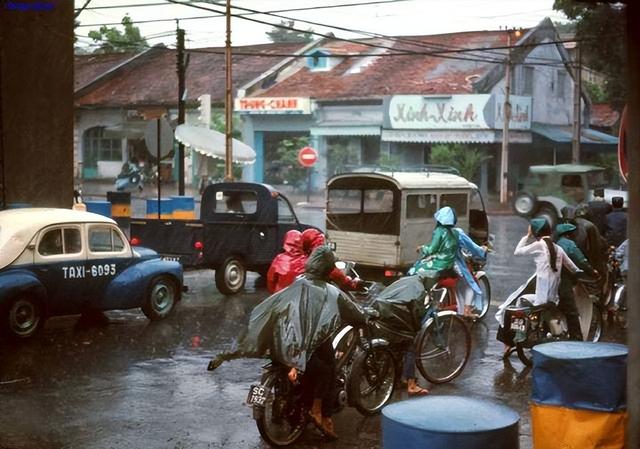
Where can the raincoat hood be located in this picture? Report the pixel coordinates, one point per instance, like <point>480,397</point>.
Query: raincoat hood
<point>539,226</point>
<point>564,228</point>
<point>320,263</point>
<point>445,216</point>
<point>293,242</point>
<point>311,239</point>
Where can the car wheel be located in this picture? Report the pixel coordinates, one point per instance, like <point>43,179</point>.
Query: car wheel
<point>162,295</point>
<point>231,276</point>
<point>23,317</point>
<point>549,214</point>
<point>524,204</point>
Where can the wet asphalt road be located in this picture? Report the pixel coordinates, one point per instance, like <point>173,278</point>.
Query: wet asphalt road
<point>130,383</point>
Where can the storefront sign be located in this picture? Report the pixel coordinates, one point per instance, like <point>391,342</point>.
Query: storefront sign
<point>479,111</point>
<point>273,105</point>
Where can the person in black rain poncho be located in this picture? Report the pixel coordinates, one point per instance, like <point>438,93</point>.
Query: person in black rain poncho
<point>294,327</point>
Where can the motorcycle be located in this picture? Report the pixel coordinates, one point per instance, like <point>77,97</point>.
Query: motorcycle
<point>527,325</point>
<point>130,180</point>
<point>365,378</point>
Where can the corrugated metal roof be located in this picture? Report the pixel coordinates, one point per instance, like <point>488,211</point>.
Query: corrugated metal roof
<point>564,134</point>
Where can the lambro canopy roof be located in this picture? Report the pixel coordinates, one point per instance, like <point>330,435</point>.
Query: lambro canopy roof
<point>212,143</point>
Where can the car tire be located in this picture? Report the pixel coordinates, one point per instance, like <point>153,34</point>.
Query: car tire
<point>525,204</point>
<point>23,317</point>
<point>231,276</point>
<point>161,298</point>
<point>548,213</point>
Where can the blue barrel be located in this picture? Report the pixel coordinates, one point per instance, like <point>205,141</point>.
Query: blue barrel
<point>184,207</point>
<point>436,422</point>
<point>99,207</point>
<point>166,208</point>
<point>18,205</point>
<point>579,395</point>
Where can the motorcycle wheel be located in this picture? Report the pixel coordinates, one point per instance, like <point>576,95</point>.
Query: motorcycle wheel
<point>483,282</point>
<point>274,428</point>
<point>596,328</point>
<point>524,354</point>
<point>372,380</point>
<point>443,349</point>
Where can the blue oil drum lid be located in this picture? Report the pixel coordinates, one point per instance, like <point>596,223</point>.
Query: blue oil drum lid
<point>166,205</point>
<point>451,414</point>
<point>99,207</point>
<point>183,202</point>
<point>438,422</point>
<point>580,375</point>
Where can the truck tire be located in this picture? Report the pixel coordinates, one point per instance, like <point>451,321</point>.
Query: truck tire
<point>525,204</point>
<point>231,276</point>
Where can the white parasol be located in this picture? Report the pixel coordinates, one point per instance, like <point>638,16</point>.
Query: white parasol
<point>212,143</point>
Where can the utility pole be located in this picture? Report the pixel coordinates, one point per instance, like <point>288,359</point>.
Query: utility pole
<point>181,105</point>
<point>577,110</point>
<point>228,103</point>
<point>506,114</point>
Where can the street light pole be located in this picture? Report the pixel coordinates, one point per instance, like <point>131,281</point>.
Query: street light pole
<point>577,110</point>
<point>228,104</point>
<point>506,114</point>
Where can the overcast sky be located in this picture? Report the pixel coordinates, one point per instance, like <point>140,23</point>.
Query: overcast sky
<point>402,17</point>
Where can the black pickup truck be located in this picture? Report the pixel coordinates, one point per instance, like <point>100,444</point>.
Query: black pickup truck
<point>241,228</point>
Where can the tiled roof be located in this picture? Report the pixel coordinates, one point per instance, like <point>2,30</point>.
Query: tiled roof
<point>153,80</point>
<point>603,115</point>
<point>89,67</point>
<point>376,76</point>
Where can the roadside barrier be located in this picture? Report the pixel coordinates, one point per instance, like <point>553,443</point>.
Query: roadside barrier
<point>99,207</point>
<point>579,395</point>
<point>449,421</point>
<point>120,207</point>
<point>166,208</point>
<point>184,207</point>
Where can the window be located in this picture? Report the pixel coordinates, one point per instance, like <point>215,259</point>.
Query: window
<point>378,201</point>
<point>236,202</point>
<point>51,243</point>
<point>285,214</point>
<point>104,239</point>
<point>456,201</point>
<point>527,88</point>
<point>99,147</point>
<point>562,78</point>
<point>421,206</point>
<point>344,201</point>
<point>318,60</point>
<point>60,241</point>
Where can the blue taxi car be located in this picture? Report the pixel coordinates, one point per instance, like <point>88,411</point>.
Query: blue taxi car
<point>63,262</point>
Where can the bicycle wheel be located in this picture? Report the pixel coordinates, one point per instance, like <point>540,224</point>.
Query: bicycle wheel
<point>443,348</point>
<point>372,380</point>
<point>280,422</point>
<point>484,285</point>
<point>596,327</point>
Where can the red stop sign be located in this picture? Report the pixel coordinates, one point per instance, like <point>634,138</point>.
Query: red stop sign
<point>307,157</point>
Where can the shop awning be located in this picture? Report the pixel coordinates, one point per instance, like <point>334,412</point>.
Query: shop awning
<point>212,143</point>
<point>339,129</point>
<point>453,136</point>
<point>564,134</point>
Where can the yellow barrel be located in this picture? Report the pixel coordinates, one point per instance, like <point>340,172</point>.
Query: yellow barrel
<point>183,207</point>
<point>120,204</point>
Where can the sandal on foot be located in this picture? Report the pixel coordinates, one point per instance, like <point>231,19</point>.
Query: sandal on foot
<point>418,392</point>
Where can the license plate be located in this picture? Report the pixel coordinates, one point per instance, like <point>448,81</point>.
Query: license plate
<point>257,395</point>
<point>171,258</point>
<point>518,325</point>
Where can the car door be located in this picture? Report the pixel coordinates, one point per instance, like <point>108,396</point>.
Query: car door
<point>59,263</point>
<point>108,255</point>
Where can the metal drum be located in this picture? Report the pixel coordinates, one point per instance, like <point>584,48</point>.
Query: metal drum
<point>436,422</point>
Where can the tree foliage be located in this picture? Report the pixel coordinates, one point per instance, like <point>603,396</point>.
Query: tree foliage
<point>112,40</point>
<point>466,160</point>
<point>280,34</point>
<point>600,31</point>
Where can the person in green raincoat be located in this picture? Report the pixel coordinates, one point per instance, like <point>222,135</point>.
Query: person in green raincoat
<point>567,303</point>
<point>294,327</point>
<point>437,257</point>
